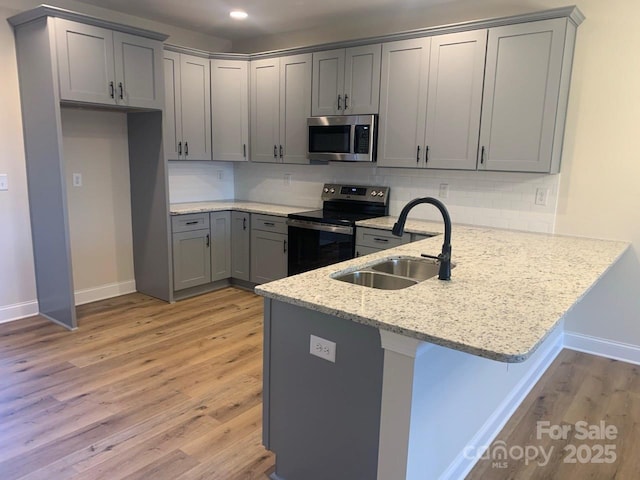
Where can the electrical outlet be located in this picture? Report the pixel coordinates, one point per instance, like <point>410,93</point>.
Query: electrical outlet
<point>320,347</point>
<point>4,182</point>
<point>287,179</point>
<point>77,179</point>
<point>220,174</point>
<point>443,192</point>
<point>541,196</point>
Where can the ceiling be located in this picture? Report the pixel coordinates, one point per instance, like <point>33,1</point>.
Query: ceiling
<point>266,17</point>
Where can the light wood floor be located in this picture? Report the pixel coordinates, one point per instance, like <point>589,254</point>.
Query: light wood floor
<point>147,390</point>
<point>143,390</point>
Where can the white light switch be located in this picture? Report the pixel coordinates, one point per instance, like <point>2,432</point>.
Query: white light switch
<point>287,179</point>
<point>77,179</point>
<point>4,182</point>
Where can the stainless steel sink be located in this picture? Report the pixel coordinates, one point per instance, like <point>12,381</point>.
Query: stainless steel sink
<point>415,268</point>
<point>379,280</point>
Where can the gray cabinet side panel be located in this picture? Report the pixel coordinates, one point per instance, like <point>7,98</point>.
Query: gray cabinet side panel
<point>45,171</point>
<point>149,205</point>
<point>266,376</point>
<point>324,418</point>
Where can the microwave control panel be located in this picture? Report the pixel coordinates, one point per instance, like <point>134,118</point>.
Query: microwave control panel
<point>361,139</point>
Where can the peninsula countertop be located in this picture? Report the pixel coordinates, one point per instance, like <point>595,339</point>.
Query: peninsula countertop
<point>508,289</point>
<point>237,205</point>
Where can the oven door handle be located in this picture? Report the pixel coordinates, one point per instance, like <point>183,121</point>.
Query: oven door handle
<point>323,227</point>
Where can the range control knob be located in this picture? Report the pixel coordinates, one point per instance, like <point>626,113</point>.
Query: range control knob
<point>381,193</point>
<point>326,190</point>
<point>333,190</point>
<point>373,193</point>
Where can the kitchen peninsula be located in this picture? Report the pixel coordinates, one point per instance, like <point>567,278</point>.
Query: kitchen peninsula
<point>422,372</point>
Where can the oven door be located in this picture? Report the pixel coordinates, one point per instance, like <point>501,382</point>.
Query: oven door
<point>313,245</point>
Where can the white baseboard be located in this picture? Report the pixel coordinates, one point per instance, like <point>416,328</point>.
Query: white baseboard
<point>8,313</point>
<point>462,465</point>
<point>104,291</point>
<point>602,347</point>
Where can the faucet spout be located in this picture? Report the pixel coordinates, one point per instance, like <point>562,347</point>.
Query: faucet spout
<point>445,256</point>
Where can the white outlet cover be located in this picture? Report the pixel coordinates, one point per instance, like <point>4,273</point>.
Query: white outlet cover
<point>77,179</point>
<point>4,182</point>
<point>443,191</point>
<point>322,348</point>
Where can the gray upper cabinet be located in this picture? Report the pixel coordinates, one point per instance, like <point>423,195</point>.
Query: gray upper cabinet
<point>403,102</point>
<point>454,100</point>
<point>241,245</point>
<point>230,110</point>
<point>187,107</point>
<point>220,245</point>
<point>525,96</point>
<point>431,100</point>
<point>280,105</point>
<point>346,81</point>
<point>100,66</point>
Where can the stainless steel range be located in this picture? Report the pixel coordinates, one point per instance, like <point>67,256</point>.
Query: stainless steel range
<point>321,237</point>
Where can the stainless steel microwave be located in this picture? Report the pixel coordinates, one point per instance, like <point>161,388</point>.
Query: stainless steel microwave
<point>342,138</point>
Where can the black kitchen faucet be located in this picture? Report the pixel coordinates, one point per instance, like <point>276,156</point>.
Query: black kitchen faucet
<point>445,257</point>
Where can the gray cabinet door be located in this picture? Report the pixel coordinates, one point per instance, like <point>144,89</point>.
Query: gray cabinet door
<point>196,107</point>
<point>172,118</point>
<point>362,80</point>
<point>295,107</point>
<point>268,256</point>
<point>521,90</point>
<point>403,102</point>
<point>85,62</point>
<point>230,110</point>
<point>138,71</point>
<point>454,101</point>
<point>241,245</point>
<point>191,259</point>
<point>220,245</point>
<point>328,83</point>
<point>265,110</point>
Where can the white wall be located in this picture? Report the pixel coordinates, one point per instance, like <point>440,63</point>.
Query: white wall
<point>95,146</point>
<point>17,280</point>
<point>504,200</point>
<point>200,181</point>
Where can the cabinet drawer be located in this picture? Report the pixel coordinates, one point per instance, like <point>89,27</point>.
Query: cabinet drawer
<point>370,237</point>
<point>269,223</point>
<point>191,221</point>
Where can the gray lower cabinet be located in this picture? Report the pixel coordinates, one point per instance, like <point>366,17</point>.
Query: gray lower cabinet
<point>268,248</point>
<point>241,245</point>
<point>372,240</point>
<point>191,250</point>
<point>220,224</point>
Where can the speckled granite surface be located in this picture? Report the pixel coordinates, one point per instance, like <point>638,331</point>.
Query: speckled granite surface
<point>221,205</point>
<point>507,292</point>
<point>423,227</point>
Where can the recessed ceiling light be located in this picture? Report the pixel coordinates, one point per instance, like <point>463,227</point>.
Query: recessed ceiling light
<point>238,14</point>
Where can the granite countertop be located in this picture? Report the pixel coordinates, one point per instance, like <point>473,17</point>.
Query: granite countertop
<point>423,227</point>
<point>508,289</point>
<point>238,205</point>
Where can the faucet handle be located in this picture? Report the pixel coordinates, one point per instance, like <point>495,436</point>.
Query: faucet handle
<point>435,257</point>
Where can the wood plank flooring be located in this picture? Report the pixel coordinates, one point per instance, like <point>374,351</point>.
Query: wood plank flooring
<point>142,390</point>
<point>577,387</point>
<point>148,390</point>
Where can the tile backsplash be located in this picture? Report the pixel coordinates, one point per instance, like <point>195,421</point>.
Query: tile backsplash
<point>495,199</point>
<point>200,181</point>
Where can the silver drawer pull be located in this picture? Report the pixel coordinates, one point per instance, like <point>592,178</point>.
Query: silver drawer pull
<point>385,240</point>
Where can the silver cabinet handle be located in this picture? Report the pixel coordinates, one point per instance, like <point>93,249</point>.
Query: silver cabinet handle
<point>275,151</point>
<point>426,154</point>
<point>244,150</point>
<point>418,155</point>
<point>208,239</point>
<point>346,99</point>
<point>179,148</point>
<point>339,102</point>
<point>482,155</point>
<point>281,156</point>
<point>121,91</point>
<point>112,91</point>
<point>186,149</point>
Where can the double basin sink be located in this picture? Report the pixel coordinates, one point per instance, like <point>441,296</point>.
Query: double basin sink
<point>393,273</point>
